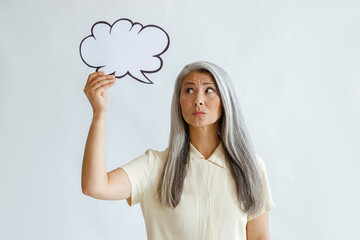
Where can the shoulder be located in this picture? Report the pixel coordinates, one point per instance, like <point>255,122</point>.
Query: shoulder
<point>156,155</point>
<point>259,161</point>
<point>260,164</point>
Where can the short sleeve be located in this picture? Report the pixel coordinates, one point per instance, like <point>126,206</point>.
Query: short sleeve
<point>268,202</point>
<point>138,171</point>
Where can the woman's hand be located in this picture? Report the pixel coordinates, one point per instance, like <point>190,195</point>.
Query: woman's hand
<point>95,89</point>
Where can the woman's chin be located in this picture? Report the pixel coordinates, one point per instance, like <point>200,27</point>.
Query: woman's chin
<point>200,124</point>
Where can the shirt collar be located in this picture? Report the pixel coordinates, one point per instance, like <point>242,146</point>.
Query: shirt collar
<point>217,157</point>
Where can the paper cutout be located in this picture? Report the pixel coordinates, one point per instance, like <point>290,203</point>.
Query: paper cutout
<point>125,48</point>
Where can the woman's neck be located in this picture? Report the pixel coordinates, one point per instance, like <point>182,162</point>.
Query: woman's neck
<point>204,139</point>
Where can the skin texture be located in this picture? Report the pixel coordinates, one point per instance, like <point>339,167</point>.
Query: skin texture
<point>199,93</point>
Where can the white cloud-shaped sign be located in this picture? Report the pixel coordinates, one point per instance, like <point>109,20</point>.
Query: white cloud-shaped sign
<point>125,48</point>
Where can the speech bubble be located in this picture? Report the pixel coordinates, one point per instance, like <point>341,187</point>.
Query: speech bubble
<point>125,48</point>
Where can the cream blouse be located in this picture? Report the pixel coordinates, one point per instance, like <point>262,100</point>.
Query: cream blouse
<point>207,209</point>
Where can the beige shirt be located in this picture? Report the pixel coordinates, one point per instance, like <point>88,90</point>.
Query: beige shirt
<point>207,209</point>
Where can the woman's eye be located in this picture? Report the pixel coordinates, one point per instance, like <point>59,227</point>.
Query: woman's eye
<point>210,90</point>
<point>189,90</point>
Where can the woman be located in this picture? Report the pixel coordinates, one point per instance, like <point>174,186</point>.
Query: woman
<point>208,184</point>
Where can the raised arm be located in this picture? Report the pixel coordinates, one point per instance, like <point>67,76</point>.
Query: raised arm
<point>95,181</point>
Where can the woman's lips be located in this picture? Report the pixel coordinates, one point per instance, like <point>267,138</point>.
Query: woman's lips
<point>198,113</point>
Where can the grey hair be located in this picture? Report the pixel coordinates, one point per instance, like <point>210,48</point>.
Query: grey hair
<point>239,151</point>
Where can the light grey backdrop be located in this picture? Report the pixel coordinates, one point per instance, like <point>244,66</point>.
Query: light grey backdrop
<point>295,66</point>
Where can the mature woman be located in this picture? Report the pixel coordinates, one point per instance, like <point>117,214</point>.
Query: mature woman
<point>208,184</point>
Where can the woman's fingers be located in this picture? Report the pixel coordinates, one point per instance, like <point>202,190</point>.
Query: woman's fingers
<point>104,84</point>
<point>95,89</point>
<point>100,80</point>
<point>93,75</point>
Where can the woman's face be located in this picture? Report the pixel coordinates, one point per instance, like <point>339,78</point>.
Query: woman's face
<point>200,100</point>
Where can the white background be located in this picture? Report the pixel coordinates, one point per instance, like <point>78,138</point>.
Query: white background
<point>295,67</point>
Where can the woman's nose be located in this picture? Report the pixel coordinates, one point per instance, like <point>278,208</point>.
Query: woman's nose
<point>198,100</point>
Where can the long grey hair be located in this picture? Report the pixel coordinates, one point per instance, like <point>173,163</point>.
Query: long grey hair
<point>239,151</point>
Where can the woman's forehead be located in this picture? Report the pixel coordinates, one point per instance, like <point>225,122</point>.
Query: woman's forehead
<point>198,77</point>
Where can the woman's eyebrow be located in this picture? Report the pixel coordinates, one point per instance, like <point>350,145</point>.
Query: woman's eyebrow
<point>192,83</point>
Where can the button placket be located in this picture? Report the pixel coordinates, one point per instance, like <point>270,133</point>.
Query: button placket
<point>210,178</point>
<point>207,198</point>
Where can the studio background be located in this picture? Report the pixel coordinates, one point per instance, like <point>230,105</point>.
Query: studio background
<point>295,68</point>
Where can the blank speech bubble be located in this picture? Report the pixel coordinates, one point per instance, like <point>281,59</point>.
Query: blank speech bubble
<point>125,48</point>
